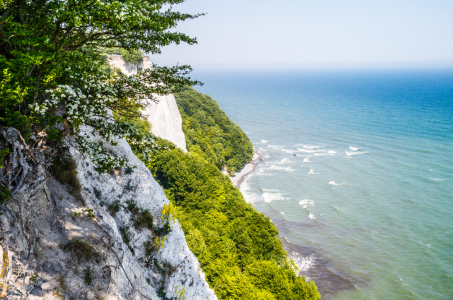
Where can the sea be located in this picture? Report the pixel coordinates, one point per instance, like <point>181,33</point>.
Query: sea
<point>357,173</point>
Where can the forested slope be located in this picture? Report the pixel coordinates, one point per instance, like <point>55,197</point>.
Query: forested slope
<point>238,248</point>
<point>210,134</point>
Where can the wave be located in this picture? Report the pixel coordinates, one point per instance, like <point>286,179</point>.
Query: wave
<point>311,172</point>
<point>264,174</point>
<point>275,167</point>
<point>308,150</point>
<point>249,197</point>
<point>334,183</point>
<point>437,179</point>
<point>309,146</point>
<point>303,263</point>
<point>269,197</point>
<point>263,141</point>
<point>289,169</point>
<point>285,160</point>
<point>275,146</point>
<point>288,150</point>
<point>323,154</point>
<point>311,216</point>
<point>304,203</point>
<point>354,148</point>
<point>348,153</point>
<point>307,159</point>
<point>332,152</point>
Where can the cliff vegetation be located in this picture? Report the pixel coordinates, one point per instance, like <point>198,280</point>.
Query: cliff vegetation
<point>238,248</point>
<point>210,134</point>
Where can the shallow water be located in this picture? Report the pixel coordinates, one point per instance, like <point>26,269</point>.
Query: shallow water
<point>366,204</point>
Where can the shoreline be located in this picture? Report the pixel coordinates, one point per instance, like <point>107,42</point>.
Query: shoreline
<point>238,178</point>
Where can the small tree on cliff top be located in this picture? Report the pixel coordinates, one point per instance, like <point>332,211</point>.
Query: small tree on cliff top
<point>51,77</point>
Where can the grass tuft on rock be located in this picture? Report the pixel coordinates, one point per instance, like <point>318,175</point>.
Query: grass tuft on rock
<point>81,250</point>
<point>64,171</point>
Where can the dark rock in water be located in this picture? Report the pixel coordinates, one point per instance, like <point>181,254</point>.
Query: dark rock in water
<point>295,154</point>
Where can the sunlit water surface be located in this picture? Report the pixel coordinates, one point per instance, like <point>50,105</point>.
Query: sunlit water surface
<point>358,174</point>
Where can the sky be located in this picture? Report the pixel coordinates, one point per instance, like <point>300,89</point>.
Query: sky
<point>300,34</point>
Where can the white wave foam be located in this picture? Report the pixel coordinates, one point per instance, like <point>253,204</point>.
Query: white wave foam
<point>311,216</point>
<point>249,197</point>
<point>348,153</point>
<point>285,160</point>
<point>308,150</point>
<point>263,141</point>
<point>270,190</point>
<point>304,203</point>
<point>282,213</point>
<point>289,169</point>
<point>323,154</point>
<point>334,183</point>
<point>311,146</point>
<point>312,172</point>
<point>438,179</point>
<point>332,152</point>
<point>303,263</point>
<point>354,148</point>
<point>275,167</point>
<point>288,150</point>
<point>264,174</point>
<point>275,146</point>
<point>269,197</point>
<point>307,159</point>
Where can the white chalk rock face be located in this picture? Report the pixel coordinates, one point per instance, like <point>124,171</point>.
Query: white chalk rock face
<point>43,217</point>
<point>166,121</point>
<point>116,61</point>
<point>164,116</point>
<point>141,187</point>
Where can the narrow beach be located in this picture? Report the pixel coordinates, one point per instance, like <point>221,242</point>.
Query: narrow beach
<point>248,169</point>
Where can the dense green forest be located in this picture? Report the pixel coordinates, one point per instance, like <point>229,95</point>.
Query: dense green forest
<point>210,134</point>
<point>238,248</point>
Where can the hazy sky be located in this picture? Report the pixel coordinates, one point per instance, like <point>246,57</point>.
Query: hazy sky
<point>298,34</point>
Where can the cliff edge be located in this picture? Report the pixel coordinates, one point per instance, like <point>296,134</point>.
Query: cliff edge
<point>164,116</point>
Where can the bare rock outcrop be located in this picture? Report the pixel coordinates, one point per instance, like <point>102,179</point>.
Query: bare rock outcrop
<point>54,245</point>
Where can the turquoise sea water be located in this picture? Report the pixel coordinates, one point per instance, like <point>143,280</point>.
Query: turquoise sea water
<point>366,205</point>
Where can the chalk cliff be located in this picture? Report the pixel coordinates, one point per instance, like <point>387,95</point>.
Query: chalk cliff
<point>38,225</point>
<point>164,115</point>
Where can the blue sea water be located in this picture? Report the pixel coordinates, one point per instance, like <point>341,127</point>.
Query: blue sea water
<point>358,174</point>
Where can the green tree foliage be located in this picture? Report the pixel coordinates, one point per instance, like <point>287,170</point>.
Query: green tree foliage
<point>238,248</point>
<point>52,76</point>
<point>209,132</point>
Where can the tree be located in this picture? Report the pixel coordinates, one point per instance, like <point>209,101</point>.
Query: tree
<point>52,78</point>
